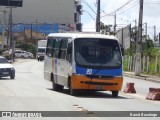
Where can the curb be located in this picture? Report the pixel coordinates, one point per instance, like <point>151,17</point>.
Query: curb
<point>147,78</point>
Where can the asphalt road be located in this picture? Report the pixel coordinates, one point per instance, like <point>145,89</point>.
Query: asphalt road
<point>29,91</point>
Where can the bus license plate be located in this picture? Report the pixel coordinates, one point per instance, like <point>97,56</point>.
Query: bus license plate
<point>99,87</point>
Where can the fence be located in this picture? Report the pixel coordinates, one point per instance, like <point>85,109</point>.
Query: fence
<point>150,65</point>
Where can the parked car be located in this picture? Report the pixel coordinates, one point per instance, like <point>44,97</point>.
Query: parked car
<point>6,69</point>
<point>23,54</point>
<point>30,55</point>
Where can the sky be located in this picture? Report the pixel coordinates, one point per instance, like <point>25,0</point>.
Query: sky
<point>126,15</point>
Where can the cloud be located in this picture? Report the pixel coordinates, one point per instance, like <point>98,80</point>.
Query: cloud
<point>89,26</point>
<point>106,7</point>
<point>127,15</point>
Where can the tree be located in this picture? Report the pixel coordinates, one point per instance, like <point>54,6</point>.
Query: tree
<point>106,28</point>
<point>28,47</point>
<point>147,46</point>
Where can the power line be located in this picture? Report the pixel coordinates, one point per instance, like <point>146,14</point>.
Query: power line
<point>89,6</point>
<point>118,9</point>
<point>90,15</point>
<point>125,20</point>
<point>129,7</point>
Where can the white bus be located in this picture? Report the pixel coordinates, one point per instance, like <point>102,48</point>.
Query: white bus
<point>83,61</point>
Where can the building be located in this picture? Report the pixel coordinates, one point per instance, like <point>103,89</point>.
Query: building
<point>47,11</point>
<point>63,12</point>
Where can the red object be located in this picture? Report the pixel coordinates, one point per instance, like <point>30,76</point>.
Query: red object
<point>129,88</point>
<point>154,94</point>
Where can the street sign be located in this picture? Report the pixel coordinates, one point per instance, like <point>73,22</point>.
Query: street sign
<point>14,3</point>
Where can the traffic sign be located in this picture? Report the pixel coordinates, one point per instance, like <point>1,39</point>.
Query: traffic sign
<point>15,3</point>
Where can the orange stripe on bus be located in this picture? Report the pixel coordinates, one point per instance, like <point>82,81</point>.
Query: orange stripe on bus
<point>82,82</point>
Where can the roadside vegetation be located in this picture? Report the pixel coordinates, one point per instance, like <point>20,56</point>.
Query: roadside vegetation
<point>150,53</point>
<point>29,47</point>
<point>150,56</point>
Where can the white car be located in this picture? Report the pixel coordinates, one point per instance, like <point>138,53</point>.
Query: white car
<point>23,54</point>
<point>6,69</point>
<point>30,55</point>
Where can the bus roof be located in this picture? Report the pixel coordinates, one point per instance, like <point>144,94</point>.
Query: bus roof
<point>82,35</point>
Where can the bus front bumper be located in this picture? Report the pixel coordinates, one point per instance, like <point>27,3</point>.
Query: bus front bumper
<point>102,84</point>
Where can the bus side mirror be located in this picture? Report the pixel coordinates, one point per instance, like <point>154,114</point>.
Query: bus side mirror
<point>122,50</point>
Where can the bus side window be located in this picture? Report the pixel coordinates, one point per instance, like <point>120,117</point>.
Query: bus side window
<point>69,53</point>
<point>63,48</point>
<point>56,47</point>
<point>49,52</point>
<point>49,47</point>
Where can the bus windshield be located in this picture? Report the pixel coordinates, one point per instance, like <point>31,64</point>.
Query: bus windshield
<point>41,50</point>
<point>95,53</point>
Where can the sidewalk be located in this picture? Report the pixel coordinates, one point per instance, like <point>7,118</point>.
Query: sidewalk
<point>143,77</point>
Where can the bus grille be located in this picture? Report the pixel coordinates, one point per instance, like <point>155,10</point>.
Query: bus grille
<point>100,83</point>
<point>99,76</point>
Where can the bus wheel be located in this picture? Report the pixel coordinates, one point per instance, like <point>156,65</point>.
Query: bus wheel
<point>60,87</point>
<point>56,87</point>
<point>71,91</point>
<point>115,93</point>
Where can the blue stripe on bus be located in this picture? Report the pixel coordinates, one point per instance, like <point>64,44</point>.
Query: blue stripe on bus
<point>109,72</point>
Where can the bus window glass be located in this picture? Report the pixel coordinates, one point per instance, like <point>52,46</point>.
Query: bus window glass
<point>49,47</point>
<point>63,48</point>
<point>97,52</point>
<point>50,43</point>
<point>64,43</point>
<point>57,43</point>
<point>56,47</point>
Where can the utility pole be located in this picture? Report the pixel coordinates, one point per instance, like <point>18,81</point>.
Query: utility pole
<point>98,17</point>
<point>10,28</point>
<point>115,24</point>
<point>135,31</point>
<point>139,42</point>
<point>135,23</point>
<point>4,28</point>
<point>154,27</point>
<point>36,34</point>
<point>12,39</point>
<point>31,31</point>
<point>159,40</point>
<point>146,31</point>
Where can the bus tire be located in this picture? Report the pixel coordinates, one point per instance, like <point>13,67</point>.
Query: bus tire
<point>56,87</point>
<point>60,87</point>
<point>71,91</point>
<point>115,93</point>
